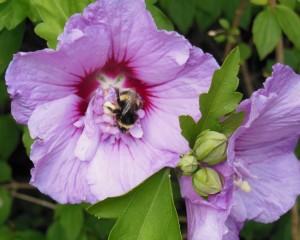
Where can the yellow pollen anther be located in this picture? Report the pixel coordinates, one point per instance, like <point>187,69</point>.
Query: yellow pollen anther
<point>243,185</point>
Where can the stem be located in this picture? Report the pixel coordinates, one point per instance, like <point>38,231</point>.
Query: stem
<point>182,219</point>
<point>280,52</point>
<point>32,199</point>
<point>247,79</point>
<point>235,23</point>
<point>295,222</point>
<point>244,67</point>
<point>17,185</point>
<point>272,5</point>
<point>280,47</point>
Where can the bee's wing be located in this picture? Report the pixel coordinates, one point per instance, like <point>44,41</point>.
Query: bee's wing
<point>130,101</point>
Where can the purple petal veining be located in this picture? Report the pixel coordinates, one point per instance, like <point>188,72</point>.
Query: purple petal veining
<point>79,153</point>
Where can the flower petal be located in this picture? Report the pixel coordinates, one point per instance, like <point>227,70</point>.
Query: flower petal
<point>175,98</point>
<point>273,175</point>
<point>57,172</point>
<point>234,229</point>
<point>39,77</point>
<point>205,223</point>
<point>117,168</point>
<point>274,111</point>
<point>153,56</point>
<point>261,150</point>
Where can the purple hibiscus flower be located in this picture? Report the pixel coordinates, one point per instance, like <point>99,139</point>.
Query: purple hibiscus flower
<point>104,106</point>
<point>262,174</point>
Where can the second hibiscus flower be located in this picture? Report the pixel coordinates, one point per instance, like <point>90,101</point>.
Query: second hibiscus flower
<point>261,173</point>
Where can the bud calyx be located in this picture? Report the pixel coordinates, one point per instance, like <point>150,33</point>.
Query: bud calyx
<point>211,147</point>
<point>188,164</point>
<point>207,181</point>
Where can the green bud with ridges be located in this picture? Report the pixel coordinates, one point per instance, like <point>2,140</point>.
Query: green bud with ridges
<point>207,181</point>
<point>211,147</point>
<point>188,164</point>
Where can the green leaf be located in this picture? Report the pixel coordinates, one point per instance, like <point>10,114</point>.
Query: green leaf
<point>5,205</point>
<point>70,216</point>
<point>54,14</point>
<point>232,122</point>
<point>229,7</point>
<point>209,7</point>
<point>5,172</point>
<point>161,20</point>
<point>3,92</point>
<point>258,231</point>
<point>33,14</point>
<point>204,20</point>
<point>188,126</point>
<point>220,38</point>
<point>289,22</point>
<point>266,33</point>
<point>220,100</point>
<point>99,227</point>
<point>12,13</point>
<point>55,232</point>
<point>27,140</point>
<point>146,212</point>
<point>224,23</point>
<point>246,18</point>
<point>181,12</point>
<point>6,233</point>
<point>151,2</point>
<point>207,12</point>
<point>9,137</point>
<point>282,228</point>
<point>292,57</point>
<point>10,42</point>
<point>176,194</point>
<point>289,3</point>
<point>29,235</point>
<point>245,51</point>
<point>259,2</point>
<point>111,207</point>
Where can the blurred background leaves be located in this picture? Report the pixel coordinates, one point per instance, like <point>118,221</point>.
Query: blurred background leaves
<point>266,32</point>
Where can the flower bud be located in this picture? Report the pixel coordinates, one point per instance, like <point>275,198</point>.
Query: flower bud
<point>210,147</point>
<point>207,181</point>
<point>188,164</point>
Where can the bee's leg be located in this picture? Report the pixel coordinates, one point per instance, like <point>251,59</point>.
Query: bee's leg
<point>116,111</point>
<point>123,130</point>
<point>118,95</point>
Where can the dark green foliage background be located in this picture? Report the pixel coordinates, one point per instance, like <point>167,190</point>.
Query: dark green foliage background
<point>29,25</point>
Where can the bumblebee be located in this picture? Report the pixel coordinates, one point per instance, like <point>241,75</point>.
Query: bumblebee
<point>128,103</point>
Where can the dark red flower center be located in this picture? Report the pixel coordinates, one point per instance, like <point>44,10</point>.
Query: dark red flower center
<point>116,75</point>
